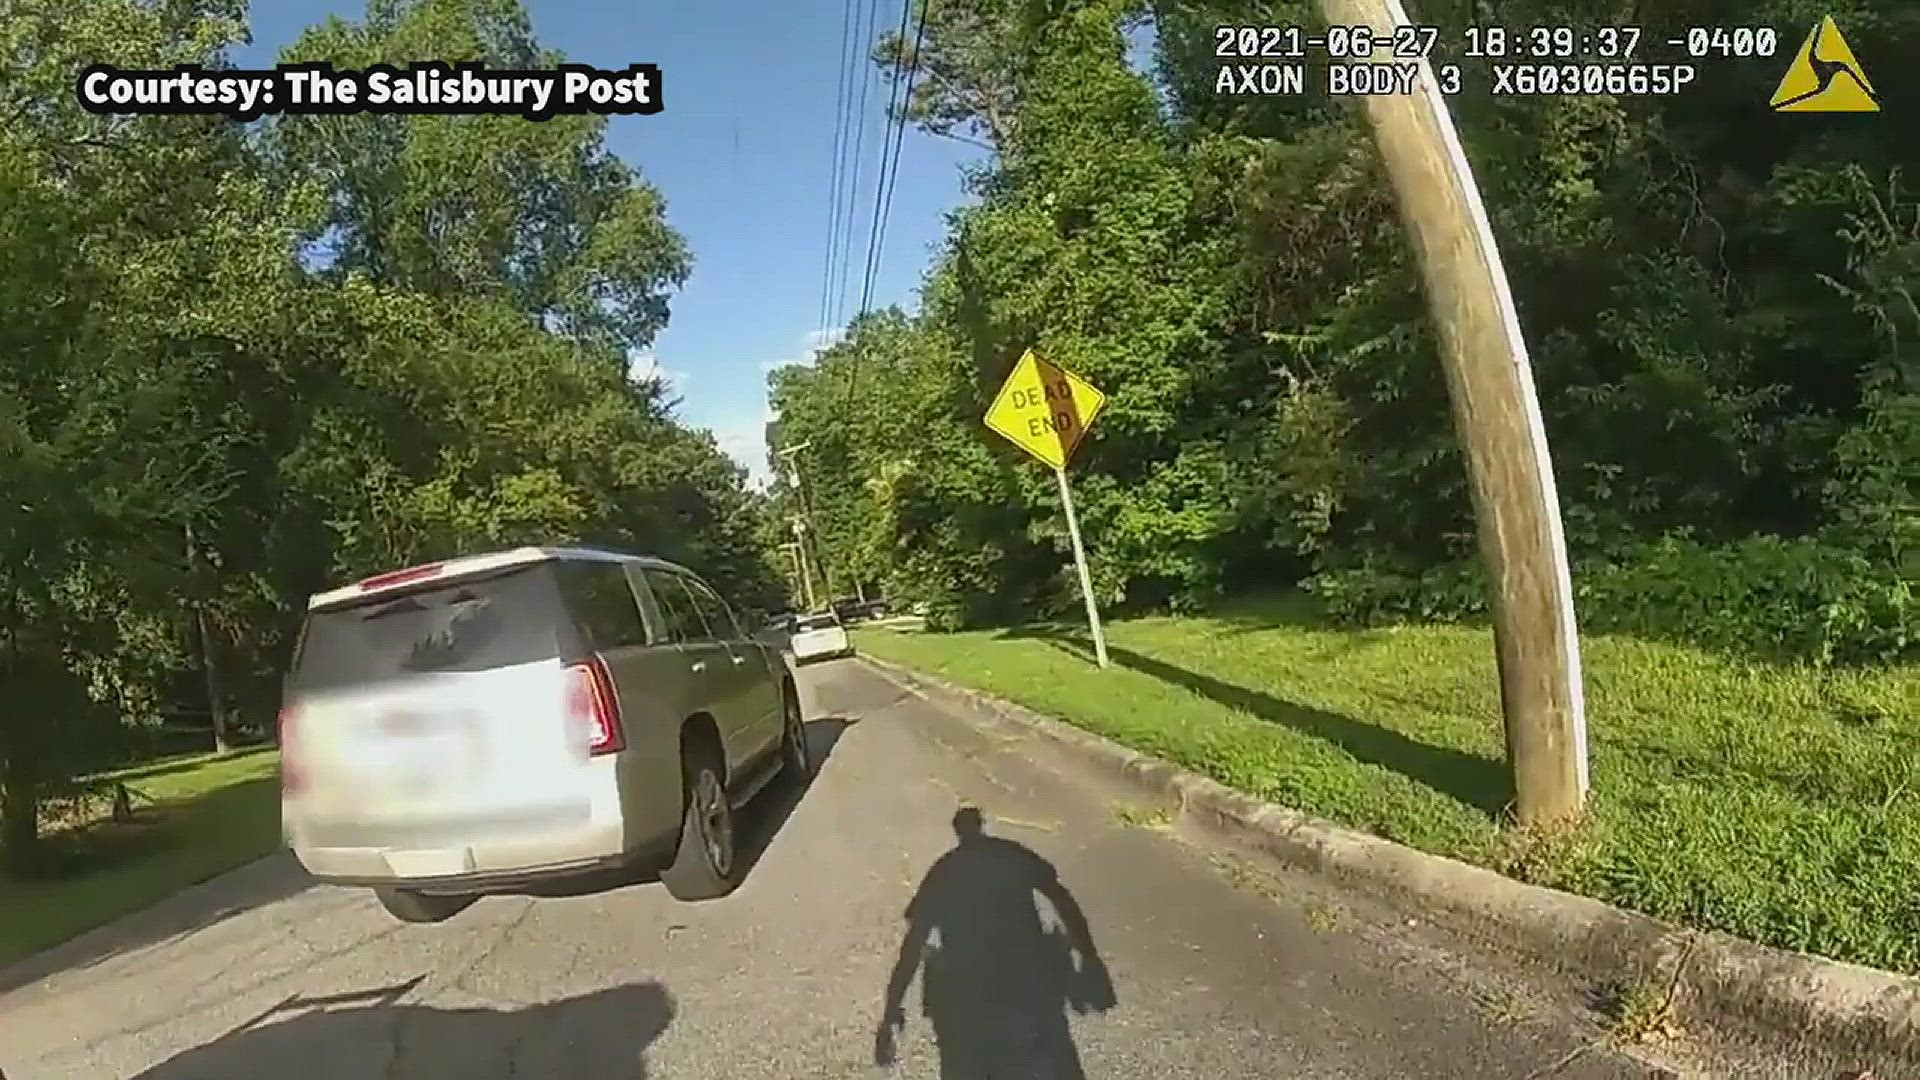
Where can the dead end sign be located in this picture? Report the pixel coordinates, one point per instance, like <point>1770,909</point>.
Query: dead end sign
<point>1045,409</point>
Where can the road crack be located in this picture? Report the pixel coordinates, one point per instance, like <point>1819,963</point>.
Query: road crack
<point>463,981</point>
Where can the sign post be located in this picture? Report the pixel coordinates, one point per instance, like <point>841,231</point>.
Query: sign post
<point>1046,410</point>
<point>1080,563</point>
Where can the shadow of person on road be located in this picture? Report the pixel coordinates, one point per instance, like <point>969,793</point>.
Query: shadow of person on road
<point>996,980</point>
<point>352,1036</point>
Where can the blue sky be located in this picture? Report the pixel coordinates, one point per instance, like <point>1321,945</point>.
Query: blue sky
<point>743,152</point>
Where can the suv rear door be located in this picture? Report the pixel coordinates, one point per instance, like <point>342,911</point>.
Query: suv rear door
<point>707,659</point>
<point>604,607</point>
<point>758,689</point>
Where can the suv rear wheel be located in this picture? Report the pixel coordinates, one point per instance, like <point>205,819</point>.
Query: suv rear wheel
<point>706,865</point>
<point>409,906</point>
<point>796,755</point>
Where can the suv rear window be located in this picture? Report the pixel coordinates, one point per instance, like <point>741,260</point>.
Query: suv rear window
<point>818,622</point>
<point>468,625</point>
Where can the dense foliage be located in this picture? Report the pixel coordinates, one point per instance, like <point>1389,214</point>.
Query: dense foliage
<point>1719,302</point>
<point>238,365</point>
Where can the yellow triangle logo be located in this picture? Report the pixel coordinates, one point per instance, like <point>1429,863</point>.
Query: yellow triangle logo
<point>1825,76</point>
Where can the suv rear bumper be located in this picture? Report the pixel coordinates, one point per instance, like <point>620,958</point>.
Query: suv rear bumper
<point>818,654</point>
<point>821,658</point>
<point>483,866</point>
<point>478,883</point>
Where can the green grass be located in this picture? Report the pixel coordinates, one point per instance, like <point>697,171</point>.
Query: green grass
<point>1779,804</point>
<point>207,815</point>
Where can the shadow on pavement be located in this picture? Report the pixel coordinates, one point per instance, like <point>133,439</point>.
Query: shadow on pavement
<point>604,1034</point>
<point>764,820</point>
<point>997,978</point>
<point>1479,782</point>
<point>197,908</point>
<point>138,773</point>
<point>760,823</point>
<point>280,876</point>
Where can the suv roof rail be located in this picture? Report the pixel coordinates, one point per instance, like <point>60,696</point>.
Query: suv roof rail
<point>468,566</point>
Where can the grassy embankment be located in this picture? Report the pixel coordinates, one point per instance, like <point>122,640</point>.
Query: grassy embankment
<point>1780,804</point>
<point>197,816</point>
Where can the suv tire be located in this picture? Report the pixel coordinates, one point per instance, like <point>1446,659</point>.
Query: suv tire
<point>413,907</point>
<point>706,865</point>
<point>796,757</point>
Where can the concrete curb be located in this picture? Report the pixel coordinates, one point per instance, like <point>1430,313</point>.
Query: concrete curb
<point>1770,995</point>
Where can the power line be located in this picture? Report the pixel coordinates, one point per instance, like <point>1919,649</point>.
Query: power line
<point>883,197</point>
<point>839,160</point>
<point>883,194</point>
<point>859,139</point>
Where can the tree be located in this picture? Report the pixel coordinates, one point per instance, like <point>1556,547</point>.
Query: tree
<point>1713,313</point>
<point>536,215</point>
<point>967,82</point>
<point>121,297</point>
<point>206,415</point>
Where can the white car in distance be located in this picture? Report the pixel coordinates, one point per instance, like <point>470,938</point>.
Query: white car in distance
<point>820,636</point>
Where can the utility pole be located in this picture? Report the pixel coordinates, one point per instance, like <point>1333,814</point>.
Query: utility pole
<point>790,455</point>
<point>796,569</point>
<point>800,553</point>
<point>1497,417</point>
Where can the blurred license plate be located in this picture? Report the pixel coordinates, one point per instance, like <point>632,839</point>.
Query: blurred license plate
<point>417,750</point>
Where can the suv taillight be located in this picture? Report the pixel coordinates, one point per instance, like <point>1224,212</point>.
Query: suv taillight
<point>591,704</point>
<point>292,779</point>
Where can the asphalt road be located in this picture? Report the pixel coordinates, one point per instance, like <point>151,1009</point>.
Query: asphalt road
<point>1060,939</point>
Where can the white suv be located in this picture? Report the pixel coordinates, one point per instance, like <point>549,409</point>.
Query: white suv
<point>490,722</point>
<point>820,637</point>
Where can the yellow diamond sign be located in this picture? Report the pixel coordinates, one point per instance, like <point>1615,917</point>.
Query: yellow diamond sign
<point>1825,76</point>
<point>1045,409</point>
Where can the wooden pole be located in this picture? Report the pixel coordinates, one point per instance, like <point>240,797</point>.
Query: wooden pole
<point>209,658</point>
<point>1497,417</point>
<point>796,572</point>
<point>806,567</point>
